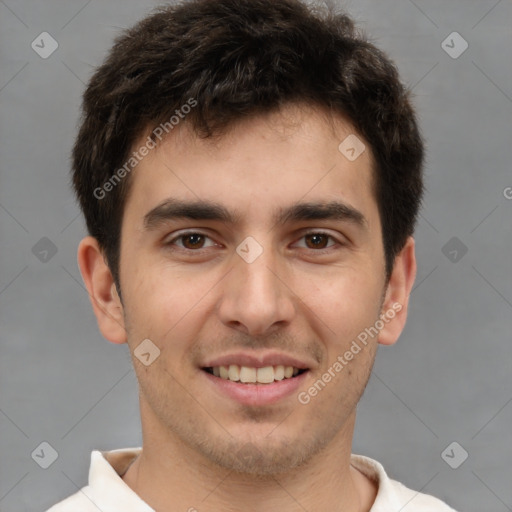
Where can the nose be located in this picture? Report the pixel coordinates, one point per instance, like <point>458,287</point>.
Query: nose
<point>256,298</point>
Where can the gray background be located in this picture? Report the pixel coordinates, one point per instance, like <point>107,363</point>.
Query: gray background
<point>448,378</point>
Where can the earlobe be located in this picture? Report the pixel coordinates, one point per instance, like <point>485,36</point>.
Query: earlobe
<point>396,301</point>
<point>100,284</point>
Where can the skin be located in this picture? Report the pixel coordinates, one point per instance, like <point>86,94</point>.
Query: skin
<point>196,298</point>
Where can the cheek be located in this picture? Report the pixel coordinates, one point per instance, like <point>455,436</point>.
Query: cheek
<point>164,306</point>
<point>344,300</point>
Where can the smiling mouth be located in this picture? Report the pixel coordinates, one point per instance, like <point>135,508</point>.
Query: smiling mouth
<point>251,375</point>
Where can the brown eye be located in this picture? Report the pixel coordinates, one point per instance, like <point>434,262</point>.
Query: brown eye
<point>317,240</point>
<point>193,241</point>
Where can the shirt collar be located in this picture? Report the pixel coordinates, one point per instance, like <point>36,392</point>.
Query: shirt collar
<point>109,491</point>
<point>386,493</point>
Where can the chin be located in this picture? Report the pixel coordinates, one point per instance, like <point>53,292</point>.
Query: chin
<point>263,457</point>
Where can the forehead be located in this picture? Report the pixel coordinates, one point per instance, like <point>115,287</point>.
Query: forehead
<point>259,165</point>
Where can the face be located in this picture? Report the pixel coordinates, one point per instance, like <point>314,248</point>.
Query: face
<point>243,257</point>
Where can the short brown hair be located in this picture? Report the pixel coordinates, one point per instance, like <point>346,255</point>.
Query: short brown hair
<point>238,58</point>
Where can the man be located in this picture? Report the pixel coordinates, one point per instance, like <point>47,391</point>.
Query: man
<point>250,175</point>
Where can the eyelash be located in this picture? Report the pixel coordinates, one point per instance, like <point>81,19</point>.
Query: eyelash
<point>182,235</point>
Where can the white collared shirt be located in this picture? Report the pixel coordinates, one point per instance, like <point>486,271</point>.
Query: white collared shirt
<point>107,492</point>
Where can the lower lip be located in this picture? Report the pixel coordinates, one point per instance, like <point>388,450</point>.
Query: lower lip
<point>257,394</point>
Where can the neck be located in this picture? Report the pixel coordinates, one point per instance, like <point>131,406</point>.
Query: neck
<point>169,473</point>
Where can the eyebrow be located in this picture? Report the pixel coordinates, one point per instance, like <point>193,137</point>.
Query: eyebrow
<point>172,209</point>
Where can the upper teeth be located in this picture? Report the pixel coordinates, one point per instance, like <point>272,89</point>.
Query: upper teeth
<point>247,374</point>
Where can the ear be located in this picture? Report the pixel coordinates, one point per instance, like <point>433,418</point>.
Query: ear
<point>396,300</point>
<point>102,290</point>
